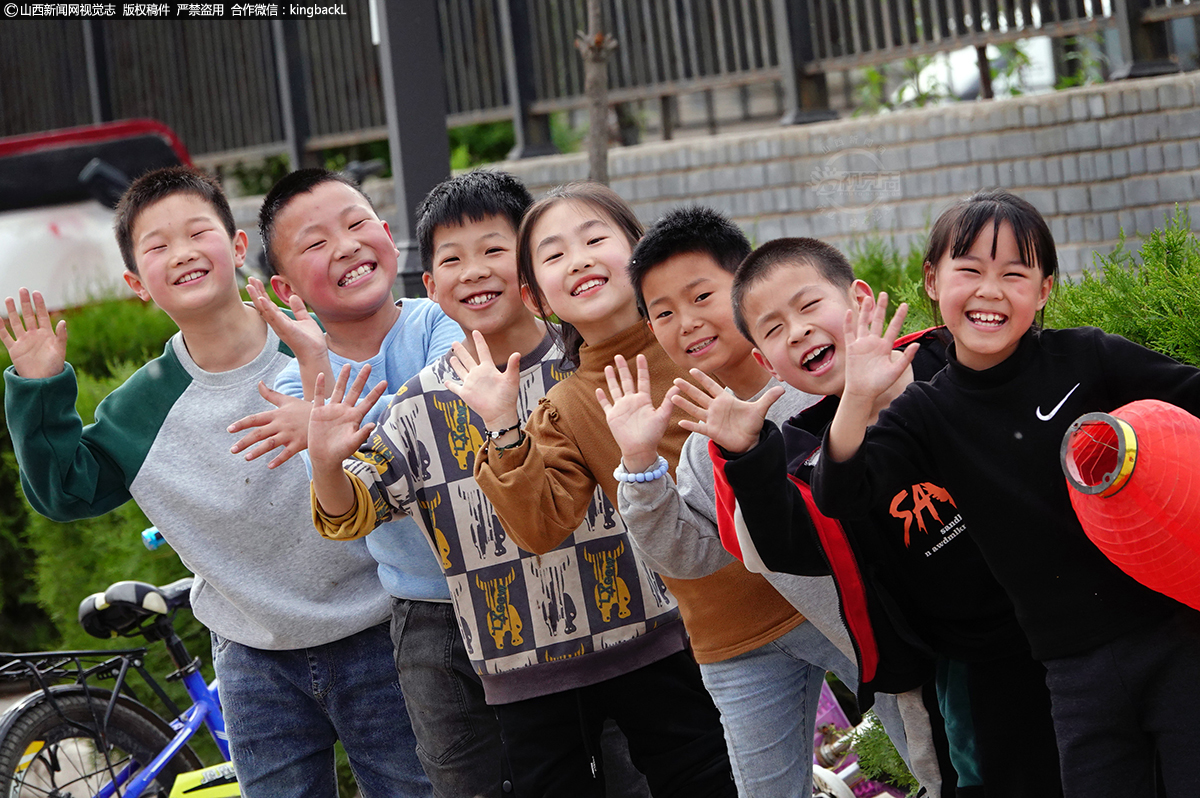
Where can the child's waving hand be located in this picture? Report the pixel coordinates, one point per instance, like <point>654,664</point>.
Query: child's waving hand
<point>733,424</point>
<point>872,363</point>
<point>336,431</point>
<point>335,428</point>
<point>636,424</point>
<point>37,348</point>
<point>302,334</point>
<point>873,367</point>
<point>284,425</point>
<point>487,390</point>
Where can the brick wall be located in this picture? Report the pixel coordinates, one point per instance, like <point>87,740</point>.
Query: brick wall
<point>1094,160</point>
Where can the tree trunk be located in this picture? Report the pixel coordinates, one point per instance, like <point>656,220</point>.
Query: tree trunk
<point>594,46</point>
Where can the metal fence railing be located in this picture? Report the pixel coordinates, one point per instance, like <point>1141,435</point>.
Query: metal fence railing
<point>219,83</point>
<point>663,48</point>
<point>859,33</point>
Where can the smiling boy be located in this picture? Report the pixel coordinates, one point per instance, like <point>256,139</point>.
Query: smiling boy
<point>555,643</point>
<point>919,578</point>
<point>281,603</point>
<point>682,270</point>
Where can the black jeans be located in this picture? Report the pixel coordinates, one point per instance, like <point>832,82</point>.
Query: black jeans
<point>1014,731</point>
<point>1119,705</point>
<point>673,728</point>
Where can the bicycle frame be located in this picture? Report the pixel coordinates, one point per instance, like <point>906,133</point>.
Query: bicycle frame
<point>44,668</point>
<point>205,709</point>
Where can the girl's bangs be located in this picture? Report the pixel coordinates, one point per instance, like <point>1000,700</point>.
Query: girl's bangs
<point>978,215</point>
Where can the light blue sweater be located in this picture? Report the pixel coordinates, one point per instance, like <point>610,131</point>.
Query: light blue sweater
<point>420,336</point>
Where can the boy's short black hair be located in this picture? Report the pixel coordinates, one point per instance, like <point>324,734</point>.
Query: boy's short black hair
<point>158,185</point>
<point>828,260</point>
<point>473,196</point>
<point>301,181</point>
<point>691,229</point>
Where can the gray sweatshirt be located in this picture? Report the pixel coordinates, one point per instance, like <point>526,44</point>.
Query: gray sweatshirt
<point>674,527</point>
<point>266,578</point>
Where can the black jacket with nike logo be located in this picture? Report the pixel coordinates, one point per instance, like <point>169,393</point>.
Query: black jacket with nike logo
<point>992,439</point>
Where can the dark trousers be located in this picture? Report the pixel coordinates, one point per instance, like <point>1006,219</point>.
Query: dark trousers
<point>1120,705</point>
<point>1014,732</point>
<point>673,729</point>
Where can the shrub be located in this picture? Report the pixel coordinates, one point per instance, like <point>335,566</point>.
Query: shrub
<point>1151,298</point>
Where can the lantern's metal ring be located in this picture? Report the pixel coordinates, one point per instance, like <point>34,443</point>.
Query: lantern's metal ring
<point>1115,479</point>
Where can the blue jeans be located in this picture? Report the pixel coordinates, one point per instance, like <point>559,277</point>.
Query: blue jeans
<point>768,702</point>
<point>284,710</point>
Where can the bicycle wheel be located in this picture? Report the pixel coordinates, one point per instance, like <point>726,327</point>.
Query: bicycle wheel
<point>48,754</point>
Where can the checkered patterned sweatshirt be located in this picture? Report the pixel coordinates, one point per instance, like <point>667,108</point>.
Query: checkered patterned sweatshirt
<point>540,491</point>
<point>584,612</point>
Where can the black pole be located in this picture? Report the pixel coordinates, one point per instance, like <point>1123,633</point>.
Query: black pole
<point>99,89</point>
<point>293,100</point>
<point>805,96</point>
<point>532,131</point>
<point>1144,47</point>
<point>414,98</point>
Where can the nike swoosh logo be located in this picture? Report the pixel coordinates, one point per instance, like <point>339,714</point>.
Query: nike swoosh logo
<point>1047,416</point>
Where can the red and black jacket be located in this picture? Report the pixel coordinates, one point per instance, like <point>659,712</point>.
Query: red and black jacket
<point>912,585</point>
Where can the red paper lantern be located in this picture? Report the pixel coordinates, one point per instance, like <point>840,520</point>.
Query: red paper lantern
<point>1136,490</point>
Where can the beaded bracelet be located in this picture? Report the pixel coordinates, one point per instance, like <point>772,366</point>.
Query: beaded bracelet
<point>660,468</point>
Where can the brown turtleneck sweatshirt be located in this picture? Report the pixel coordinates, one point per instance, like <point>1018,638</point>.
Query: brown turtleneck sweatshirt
<point>541,491</point>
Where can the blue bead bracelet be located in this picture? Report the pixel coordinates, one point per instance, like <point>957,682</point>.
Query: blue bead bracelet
<point>660,468</point>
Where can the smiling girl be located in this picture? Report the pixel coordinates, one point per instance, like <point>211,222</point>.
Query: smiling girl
<point>574,247</point>
<point>1121,659</point>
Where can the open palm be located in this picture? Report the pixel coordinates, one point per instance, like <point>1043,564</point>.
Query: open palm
<point>37,348</point>
<point>733,424</point>
<point>872,364</point>
<point>335,428</point>
<point>487,390</point>
<point>636,424</point>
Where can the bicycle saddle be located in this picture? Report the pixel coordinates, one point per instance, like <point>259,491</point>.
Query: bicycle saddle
<point>125,606</point>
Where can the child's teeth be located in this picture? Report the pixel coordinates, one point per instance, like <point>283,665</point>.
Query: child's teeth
<point>480,299</point>
<point>187,278</point>
<point>359,272</point>
<point>590,284</point>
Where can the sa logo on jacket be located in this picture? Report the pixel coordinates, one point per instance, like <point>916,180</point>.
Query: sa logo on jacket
<point>919,500</point>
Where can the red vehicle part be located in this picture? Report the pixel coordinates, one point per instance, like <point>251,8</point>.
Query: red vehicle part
<point>43,168</point>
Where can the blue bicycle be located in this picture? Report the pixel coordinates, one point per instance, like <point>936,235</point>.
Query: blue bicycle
<point>72,737</point>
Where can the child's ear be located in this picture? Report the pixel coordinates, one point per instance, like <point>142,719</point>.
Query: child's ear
<point>135,283</point>
<point>761,360</point>
<point>388,231</point>
<point>859,291</point>
<point>282,288</point>
<point>241,245</point>
<point>530,302</point>
<point>1044,296</point>
<point>930,274</point>
<point>430,285</point>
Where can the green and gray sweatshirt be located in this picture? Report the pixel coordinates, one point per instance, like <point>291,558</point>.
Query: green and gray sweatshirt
<point>266,579</point>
